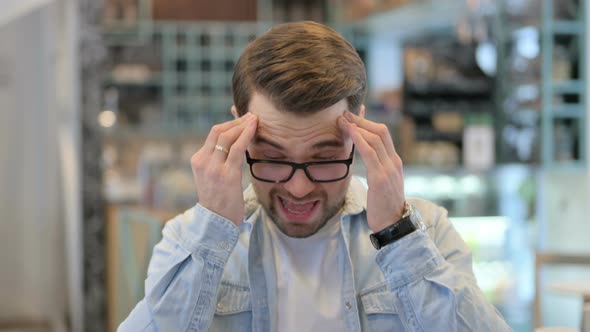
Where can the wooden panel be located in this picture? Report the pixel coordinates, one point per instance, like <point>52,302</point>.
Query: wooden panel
<point>112,268</point>
<point>205,10</point>
<point>120,300</point>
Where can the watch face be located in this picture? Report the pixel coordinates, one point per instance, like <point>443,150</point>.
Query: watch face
<point>416,220</point>
<point>375,242</point>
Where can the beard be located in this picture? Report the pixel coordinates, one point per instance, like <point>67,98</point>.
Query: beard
<point>307,229</point>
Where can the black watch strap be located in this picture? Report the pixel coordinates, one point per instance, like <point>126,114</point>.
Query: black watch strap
<point>393,233</point>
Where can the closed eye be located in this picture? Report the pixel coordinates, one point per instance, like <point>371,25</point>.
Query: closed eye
<point>326,158</point>
<point>329,155</point>
<point>273,156</point>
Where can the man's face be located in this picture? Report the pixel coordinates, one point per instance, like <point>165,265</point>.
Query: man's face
<point>299,207</point>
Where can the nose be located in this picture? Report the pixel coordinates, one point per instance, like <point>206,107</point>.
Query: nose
<point>299,185</point>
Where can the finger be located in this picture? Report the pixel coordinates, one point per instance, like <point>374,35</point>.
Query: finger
<point>343,125</point>
<point>226,139</point>
<point>377,128</point>
<point>376,144</point>
<point>374,141</point>
<point>368,154</point>
<point>216,130</point>
<point>236,153</point>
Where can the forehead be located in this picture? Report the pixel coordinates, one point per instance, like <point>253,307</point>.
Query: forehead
<point>291,128</point>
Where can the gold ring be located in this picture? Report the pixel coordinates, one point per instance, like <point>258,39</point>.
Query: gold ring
<point>221,148</point>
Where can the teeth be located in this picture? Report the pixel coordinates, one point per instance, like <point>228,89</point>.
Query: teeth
<point>290,205</point>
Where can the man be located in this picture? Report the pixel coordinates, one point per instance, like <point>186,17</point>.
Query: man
<point>307,247</point>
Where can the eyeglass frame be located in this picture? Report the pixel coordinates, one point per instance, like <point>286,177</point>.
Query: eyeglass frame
<point>295,166</point>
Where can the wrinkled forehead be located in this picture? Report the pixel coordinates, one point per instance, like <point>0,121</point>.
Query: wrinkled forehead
<point>289,128</point>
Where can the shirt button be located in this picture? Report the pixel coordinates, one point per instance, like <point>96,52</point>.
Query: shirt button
<point>348,306</point>
<point>219,306</point>
<point>224,245</point>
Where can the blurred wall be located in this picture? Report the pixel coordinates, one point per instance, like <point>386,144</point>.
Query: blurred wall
<point>563,202</point>
<point>32,251</point>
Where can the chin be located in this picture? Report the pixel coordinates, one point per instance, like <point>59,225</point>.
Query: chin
<point>296,231</point>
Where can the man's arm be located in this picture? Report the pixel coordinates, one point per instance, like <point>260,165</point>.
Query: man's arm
<point>187,265</point>
<point>434,283</point>
<point>435,290</point>
<point>184,274</point>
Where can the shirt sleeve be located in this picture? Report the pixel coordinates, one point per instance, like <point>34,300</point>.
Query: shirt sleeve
<point>184,273</point>
<point>433,281</point>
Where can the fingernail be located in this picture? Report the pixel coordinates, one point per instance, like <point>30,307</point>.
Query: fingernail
<point>348,116</point>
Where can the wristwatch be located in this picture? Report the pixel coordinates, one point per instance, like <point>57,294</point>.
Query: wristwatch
<point>409,222</point>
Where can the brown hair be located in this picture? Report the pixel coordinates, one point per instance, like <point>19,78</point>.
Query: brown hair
<point>301,67</point>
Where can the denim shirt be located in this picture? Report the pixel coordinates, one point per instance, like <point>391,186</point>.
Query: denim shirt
<point>207,274</point>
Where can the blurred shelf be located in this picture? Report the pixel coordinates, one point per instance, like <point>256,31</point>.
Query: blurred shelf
<point>572,86</point>
<point>576,84</point>
<point>154,80</point>
<point>562,27</point>
<point>416,18</point>
<point>527,110</point>
<point>459,89</point>
<point>568,112</point>
<point>432,135</point>
<point>153,132</point>
<point>195,62</point>
<point>566,166</point>
<point>136,31</point>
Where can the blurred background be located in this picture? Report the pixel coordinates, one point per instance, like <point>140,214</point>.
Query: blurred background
<point>102,103</point>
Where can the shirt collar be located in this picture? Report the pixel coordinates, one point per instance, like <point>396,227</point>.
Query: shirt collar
<point>355,201</point>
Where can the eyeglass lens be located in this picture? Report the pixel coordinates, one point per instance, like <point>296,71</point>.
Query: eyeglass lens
<point>280,172</point>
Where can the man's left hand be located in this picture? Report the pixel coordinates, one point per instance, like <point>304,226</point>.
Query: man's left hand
<point>385,198</point>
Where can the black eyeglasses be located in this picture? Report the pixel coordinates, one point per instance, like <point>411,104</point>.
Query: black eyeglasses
<point>282,171</point>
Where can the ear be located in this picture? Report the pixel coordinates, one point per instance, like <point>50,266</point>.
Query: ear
<point>234,111</point>
<point>362,111</point>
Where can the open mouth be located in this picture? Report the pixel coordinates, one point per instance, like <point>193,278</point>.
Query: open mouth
<point>298,211</point>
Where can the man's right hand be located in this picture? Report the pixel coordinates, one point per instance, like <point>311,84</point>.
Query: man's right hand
<point>217,167</point>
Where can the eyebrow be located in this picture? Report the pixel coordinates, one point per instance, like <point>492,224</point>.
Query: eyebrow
<point>262,140</point>
<point>322,144</point>
<point>333,143</point>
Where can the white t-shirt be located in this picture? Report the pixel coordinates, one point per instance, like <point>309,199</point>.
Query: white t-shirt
<point>308,279</point>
